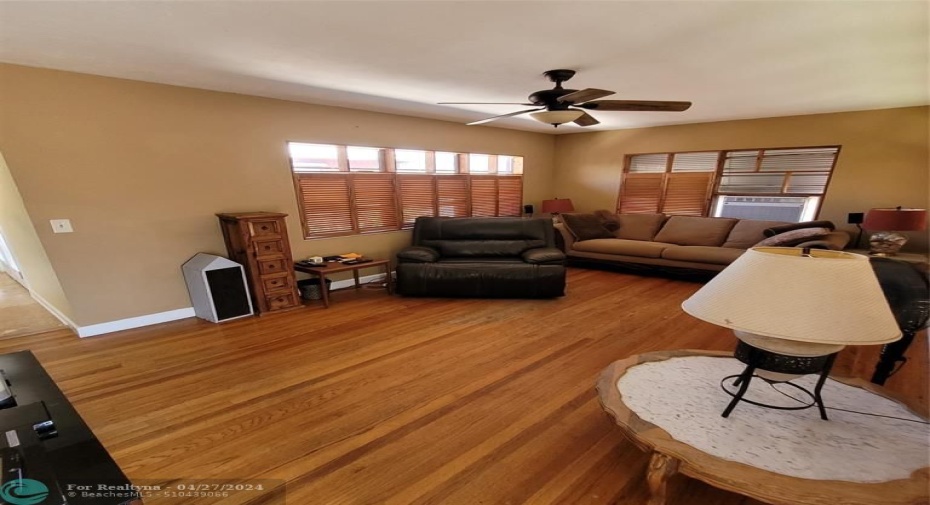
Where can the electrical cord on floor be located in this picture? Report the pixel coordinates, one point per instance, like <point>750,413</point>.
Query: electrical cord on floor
<point>772,383</point>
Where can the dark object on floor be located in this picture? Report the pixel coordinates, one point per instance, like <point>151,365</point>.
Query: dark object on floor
<point>498,257</point>
<point>907,290</point>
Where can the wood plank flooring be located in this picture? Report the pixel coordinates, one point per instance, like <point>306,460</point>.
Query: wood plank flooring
<point>396,400</point>
<point>21,315</point>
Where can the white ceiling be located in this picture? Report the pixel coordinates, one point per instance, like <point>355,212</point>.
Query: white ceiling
<point>740,59</point>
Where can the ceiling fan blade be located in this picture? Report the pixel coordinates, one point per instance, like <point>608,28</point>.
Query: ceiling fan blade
<point>586,120</point>
<point>495,118</point>
<point>483,103</point>
<point>584,95</point>
<point>635,105</point>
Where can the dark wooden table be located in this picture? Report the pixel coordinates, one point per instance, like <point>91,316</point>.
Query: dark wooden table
<point>332,267</point>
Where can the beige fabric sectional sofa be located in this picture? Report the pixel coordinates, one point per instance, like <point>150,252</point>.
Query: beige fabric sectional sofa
<point>685,242</point>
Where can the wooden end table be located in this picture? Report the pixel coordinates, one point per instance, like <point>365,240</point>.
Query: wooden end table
<point>670,455</point>
<point>332,267</point>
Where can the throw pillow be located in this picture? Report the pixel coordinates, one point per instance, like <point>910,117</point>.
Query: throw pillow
<point>775,230</point>
<point>693,230</point>
<point>608,220</point>
<point>793,237</point>
<point>639,226</point>
<point>585,226</point>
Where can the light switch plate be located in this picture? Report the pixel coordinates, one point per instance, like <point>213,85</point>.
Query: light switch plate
<point>61,226</point>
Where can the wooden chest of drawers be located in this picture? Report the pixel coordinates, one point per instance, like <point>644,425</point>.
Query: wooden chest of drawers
<point>258,240</point>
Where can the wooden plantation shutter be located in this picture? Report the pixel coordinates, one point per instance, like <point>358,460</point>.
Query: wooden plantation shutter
<point>509,196</point>
<point>687,194</point>
<point>374,202</point>
<point>640,193</point>
<point>483,196</point>
<point>325,208</point>
<point>417,197</point>
<point>452,195</point>
<point>673,183</point>
<point>689,183</point>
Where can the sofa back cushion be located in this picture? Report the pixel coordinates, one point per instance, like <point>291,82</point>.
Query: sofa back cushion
<point>748,232</point>
<point>691,230</point>
<point>638,226</point>
<point>483,236</point>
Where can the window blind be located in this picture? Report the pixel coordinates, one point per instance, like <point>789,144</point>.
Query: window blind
<point>417,197</point>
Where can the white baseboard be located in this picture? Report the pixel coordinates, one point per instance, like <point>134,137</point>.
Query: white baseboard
<point>55,312</point>
<point>164,317</point>
<point>134,322</point>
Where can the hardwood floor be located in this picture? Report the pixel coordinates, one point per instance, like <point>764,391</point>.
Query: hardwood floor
<point>394,400</point>
<point>21,315</point>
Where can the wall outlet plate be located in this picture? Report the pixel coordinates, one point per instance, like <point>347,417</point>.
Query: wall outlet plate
<point>61,226</point>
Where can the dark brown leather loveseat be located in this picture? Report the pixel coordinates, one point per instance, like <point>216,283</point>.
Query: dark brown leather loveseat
<point>498,257</point>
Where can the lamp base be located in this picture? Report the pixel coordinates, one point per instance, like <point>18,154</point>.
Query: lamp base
<point>763,360</point>
<point>886,243</point>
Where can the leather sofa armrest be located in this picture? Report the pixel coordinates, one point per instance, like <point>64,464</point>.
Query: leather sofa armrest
<point>544,256</point>
<point>836,241</point>
<point>418,254</point>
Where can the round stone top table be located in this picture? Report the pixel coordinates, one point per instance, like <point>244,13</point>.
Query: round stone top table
<point>670,403</point>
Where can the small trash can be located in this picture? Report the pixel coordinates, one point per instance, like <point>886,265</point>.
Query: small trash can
<point>310,288</point>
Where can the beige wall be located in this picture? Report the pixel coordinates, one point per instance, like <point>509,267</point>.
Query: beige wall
<point>141,169</point>
<point>884,161</point>
<point>21,238</point>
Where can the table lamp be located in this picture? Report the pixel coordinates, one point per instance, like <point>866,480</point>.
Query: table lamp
<point>792,310</point>
<point>889,242</point>
<point>558,205</point>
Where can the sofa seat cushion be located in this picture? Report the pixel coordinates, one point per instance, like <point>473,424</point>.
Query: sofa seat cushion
<point>748,232</point>
<point>638,226</point>
<point>620,246</point>
<point>692,230</point>
<point>702,254</point>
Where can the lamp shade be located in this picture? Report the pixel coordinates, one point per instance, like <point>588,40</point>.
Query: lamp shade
<point>557,117</point>
<point>826,297</point>
<point>895,219</point>
<point>558,205</point>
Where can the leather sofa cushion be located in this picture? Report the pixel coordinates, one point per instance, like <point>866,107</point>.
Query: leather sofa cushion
<point>544,255</point>
<point>748,232</point>
<point>638,226</point>
<point>702,254</point>
<point>622,246</point>
<point>486,248</point>
<point>698,231</point>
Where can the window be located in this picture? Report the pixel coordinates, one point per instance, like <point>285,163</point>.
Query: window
<point>345,190</point>
<point>673,183</point>
<point>776,184</point>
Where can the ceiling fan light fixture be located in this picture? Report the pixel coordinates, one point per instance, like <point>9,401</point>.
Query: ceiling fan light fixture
<point>557,117</point>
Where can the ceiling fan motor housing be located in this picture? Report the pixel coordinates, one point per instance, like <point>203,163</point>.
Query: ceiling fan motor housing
<point>550,98</point>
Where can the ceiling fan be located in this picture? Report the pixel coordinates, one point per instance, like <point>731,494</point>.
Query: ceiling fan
<point>559,105</point>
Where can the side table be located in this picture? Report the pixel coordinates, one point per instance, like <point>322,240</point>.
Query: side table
<point>669,403</point>
<point>332,267</point>
<point>906,256</point>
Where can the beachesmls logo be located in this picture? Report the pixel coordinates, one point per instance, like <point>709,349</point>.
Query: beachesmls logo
<point>24,492</point>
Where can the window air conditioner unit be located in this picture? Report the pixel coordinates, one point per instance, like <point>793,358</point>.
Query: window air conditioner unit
<point>768,208</point>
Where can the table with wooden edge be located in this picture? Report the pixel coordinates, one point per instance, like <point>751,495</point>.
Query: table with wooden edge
<point>332,267</point>
<point>669,456</point>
